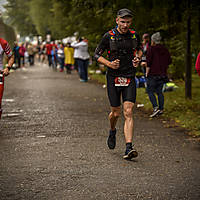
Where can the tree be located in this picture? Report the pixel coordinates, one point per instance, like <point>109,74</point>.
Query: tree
<point>188,76</point>
<point>19,18</point>
<point>92,19</point>
<point>7,32</point>
<point>41,15</point>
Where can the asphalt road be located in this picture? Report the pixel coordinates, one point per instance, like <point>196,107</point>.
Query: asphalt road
<point>53,146</point>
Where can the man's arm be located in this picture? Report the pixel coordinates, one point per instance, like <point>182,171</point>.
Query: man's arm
<point>113,64</point>
<point>9,54</point>
<point>9,65</point>
<point>103,45</point>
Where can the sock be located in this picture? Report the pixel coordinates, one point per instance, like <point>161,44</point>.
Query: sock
<point>129,145</point>
<point>112,132</point>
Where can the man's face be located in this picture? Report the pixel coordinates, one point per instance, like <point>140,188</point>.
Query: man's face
<point>123,24</point>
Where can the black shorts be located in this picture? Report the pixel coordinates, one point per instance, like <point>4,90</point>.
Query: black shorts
<point>114,92</point>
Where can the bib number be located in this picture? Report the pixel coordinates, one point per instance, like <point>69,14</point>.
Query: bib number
<point>121,81</point>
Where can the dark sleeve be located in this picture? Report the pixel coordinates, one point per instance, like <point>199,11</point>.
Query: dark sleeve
<point>103,45</point>
<point>139,45</point>
<point>170,59</point>
<point>149,57</point>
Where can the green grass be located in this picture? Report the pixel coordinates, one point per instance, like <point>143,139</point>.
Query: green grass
<point>184,112</point>
<point>99,77</point>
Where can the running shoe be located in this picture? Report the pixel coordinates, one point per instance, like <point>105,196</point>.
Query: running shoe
<point>82,80</point>
<point>160,112</point>
<point>130,153</point>
<point>155,112</point>
<point>111,141</point>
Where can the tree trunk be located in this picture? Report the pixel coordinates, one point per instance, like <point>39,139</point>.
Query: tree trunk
<point>188,71</point>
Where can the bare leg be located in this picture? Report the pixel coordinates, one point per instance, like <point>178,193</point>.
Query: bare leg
<point>129,124</point>
<point>113,116</point>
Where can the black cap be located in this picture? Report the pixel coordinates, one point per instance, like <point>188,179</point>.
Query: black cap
<point>124,12</point>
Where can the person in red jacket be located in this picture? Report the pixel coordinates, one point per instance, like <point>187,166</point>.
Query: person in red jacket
<point>197,65</point>
<point>22,51</point>
<point>48,48</point>
<point>4,49</point>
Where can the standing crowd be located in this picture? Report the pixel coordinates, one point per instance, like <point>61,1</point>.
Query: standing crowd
<point>66,57</point>
<point>72,55</point>
<point>24,53</point>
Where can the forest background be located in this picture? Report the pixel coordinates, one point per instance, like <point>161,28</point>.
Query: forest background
<point>91,19</point>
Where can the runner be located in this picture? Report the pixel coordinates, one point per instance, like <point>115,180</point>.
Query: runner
<point>124,54</point>
<point>4,48</point>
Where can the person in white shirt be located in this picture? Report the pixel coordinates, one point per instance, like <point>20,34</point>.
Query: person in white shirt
<point>81,56</point>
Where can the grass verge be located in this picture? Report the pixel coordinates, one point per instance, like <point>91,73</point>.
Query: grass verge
<point>184,112</point>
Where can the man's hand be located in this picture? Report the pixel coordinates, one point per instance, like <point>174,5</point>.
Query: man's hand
<point>6,71</point>
<point>114,64</point>
<point>136,61</point>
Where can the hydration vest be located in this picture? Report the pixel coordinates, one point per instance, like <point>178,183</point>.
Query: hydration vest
<point>122,46</point>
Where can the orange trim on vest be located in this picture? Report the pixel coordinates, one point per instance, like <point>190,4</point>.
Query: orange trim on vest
<point>130,30</point>
<point>111,32</point>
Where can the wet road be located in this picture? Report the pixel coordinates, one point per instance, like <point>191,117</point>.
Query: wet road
<point>53,146</point>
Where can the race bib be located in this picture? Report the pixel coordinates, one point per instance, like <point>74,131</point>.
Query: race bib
<point>121,81</point>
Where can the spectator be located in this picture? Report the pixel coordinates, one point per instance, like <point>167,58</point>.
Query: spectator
<point>16,55</point>
<point>158,59</point>
<point>61,57</point>
<point>22,51</point>
<point>82,58</point>
<point>54,57</point>
<point>31,53</point>
<point>42,50</point>
<point>145,46</point>
<point>48,48</point>
<point>69,57</point>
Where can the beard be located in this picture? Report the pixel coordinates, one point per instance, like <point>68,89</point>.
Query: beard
<point>123,30</point>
